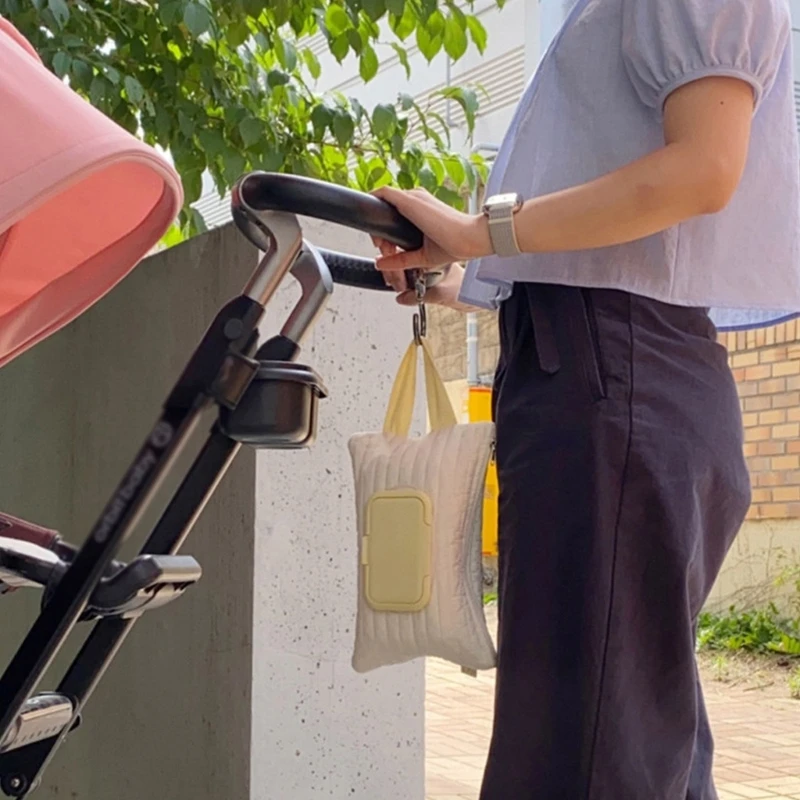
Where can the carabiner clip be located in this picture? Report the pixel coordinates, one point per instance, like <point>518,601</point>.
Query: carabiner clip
<point>421,317</point>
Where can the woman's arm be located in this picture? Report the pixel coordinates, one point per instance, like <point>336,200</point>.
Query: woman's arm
<point>707,133</point>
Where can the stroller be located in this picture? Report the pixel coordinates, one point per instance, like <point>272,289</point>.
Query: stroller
<point>258,395</point>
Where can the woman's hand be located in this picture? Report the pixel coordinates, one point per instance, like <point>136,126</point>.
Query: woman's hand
<point>450,235</point>
<point>444,293</point>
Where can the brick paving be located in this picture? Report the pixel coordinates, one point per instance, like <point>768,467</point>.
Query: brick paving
<point>757,737</point>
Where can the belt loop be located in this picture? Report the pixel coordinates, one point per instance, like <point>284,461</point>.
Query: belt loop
<point>543,334</point>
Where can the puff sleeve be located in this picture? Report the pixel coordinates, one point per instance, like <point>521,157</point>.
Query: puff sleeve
<point>668,43</point>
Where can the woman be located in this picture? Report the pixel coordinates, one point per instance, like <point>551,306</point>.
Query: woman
<point>656,163</point>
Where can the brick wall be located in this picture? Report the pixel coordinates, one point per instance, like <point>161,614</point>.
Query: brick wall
<point>766,365</point>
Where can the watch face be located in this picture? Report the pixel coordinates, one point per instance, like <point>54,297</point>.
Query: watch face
<point>509,200</point>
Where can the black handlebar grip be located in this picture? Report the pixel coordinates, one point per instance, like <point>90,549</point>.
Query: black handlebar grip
<point>361,273</point>
<point>273,191</point>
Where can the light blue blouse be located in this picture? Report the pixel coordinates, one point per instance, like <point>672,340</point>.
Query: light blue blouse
<point>595,105</point>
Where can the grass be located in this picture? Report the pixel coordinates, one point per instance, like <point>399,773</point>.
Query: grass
<point>794,684</point>
<point>764,631</point>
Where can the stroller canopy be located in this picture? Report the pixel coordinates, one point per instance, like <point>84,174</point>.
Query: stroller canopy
<point>81,200</point>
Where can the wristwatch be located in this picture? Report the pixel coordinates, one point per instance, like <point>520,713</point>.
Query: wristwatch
<point>500,210</point>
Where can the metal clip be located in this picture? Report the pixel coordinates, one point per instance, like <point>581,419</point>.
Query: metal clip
<point>421,317</point>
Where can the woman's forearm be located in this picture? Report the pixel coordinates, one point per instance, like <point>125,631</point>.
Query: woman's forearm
<point>643,198</point>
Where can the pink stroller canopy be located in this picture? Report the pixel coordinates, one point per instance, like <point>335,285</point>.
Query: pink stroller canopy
<point>81,200</point>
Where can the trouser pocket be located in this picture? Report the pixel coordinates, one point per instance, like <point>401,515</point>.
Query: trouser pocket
<point>588,346</point>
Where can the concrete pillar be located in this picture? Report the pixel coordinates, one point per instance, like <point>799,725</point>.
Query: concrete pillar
<point>214,696</point>
<point>319,729</point>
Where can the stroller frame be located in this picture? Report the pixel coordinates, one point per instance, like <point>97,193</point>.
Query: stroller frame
<point>263,399</point>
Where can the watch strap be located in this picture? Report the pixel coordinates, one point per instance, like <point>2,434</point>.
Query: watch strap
<point>501,228</point>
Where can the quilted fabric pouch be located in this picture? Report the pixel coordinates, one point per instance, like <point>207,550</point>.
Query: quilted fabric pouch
<point>420,513</point>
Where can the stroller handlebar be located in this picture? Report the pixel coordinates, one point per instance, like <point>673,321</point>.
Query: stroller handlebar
<point>270,191</point>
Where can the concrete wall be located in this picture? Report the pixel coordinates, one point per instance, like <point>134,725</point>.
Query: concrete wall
<point>213,697</point>
<point>172,715</point>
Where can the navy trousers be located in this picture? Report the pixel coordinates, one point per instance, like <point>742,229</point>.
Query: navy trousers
<point>622,486</point>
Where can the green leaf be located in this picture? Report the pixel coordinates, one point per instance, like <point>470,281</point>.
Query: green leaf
<point>112,75</point>
<point>368,64</point>
<point>403,56</point>
<point>428,44</point>
<point>449,196</point>
<point>185,124</point>
<point>470,173</point>
<point>192,182</point>
<point>271,160</point>
<point>403,25</point>
<point>281,11</point>
<point>467,99</point>
<point>233,166</point>
<point>406,101</point>
<point>70,40</point>
<point>134,90</point>
<point>357,109</point>
<point>212,141</point>
<point>251,130</point>
<point>321,119</point>
<point>404,180</point>
<point>197,221</point>
<point>312,64</point>
<point>61,63</point>
<point>397,146</point>
<point>254,7</point>
<point>197,19</point>
<point>97,90</point>
<point>343,128</point>
<point>276,77</point>
<point>340,47</point>
<point>374,9</point>
<point>455,170</point>
<point>82,72</point>
<point>170,12</point>
<point>287,54</point>
<point>478,33</point>
<point>396,7</point>
<point>384,120</point>
<point>60,11</point>
<point>438,169</point>
<point>174,236</point>
<point>336,20</point>
<point>427,179</point>
<point>455,37</point>
<point>428,8</point>
<point>355,40</point>
<point>238,33</point>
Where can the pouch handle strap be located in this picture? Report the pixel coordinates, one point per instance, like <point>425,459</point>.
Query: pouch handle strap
<point>401,401</point>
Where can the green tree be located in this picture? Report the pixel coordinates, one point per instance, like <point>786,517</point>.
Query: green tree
<point>228,85</point>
